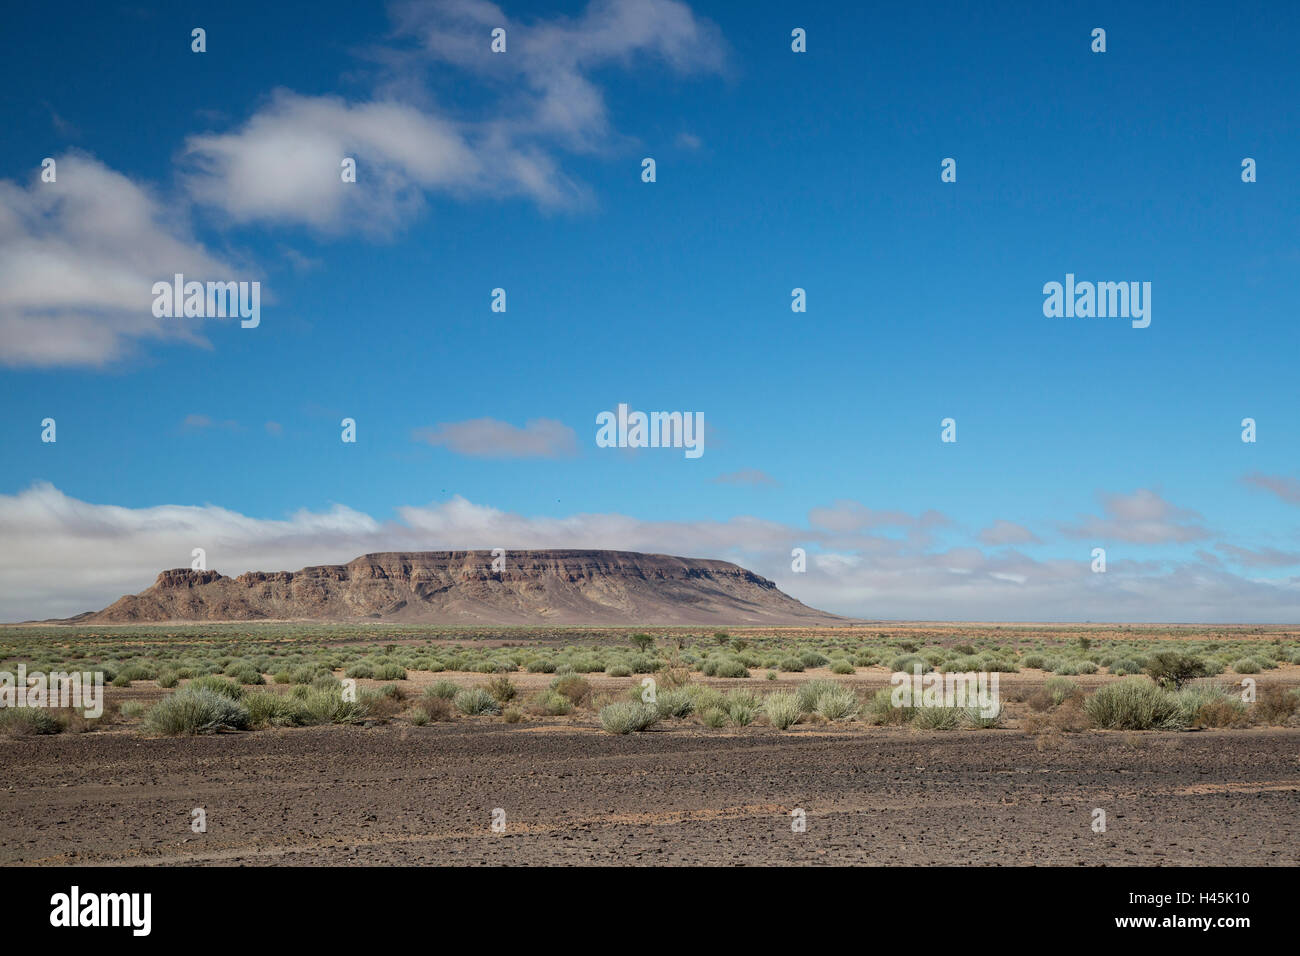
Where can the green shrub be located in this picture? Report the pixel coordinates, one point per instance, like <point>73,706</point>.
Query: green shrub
<point>625,717</point>
<point>1058,688</point>
<point>444,689</point>
<point>907,662</point>
<point>1134,704</point>
<point>218,685</point>
<point>266,708</point>
<point>808,693</point>
<point>577,689</point>
<point>131,708</point>
<point>782,709</point>
<point>27,722</point>
<point>836,703</point>
<point>195,710</point>
<point>1173,669</point>
<point>1246,665</point>
<point>938,718</point>
<point>476,701</point>
<point>618,670</point>
<point>731,667</point>
<point>1210,705</point>
<point>714,717</point>
<point>842,667</point>
<point>390,672</point>
<point>502,689</point>
<point>791,665</point>
<point>813,659</point>
<point>674,703</point>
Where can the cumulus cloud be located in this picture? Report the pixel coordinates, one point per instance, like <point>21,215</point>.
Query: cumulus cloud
<point>65,556</point>
<point>1261,557</point>
<point>1143,517</point>
<point>490,438</point>
<point>283,164</point>
<point>78,260</point>
<point>1002,532</point>
<point>1285,487</point>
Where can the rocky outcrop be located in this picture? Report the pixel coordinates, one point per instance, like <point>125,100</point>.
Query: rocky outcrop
<point>593,588</point>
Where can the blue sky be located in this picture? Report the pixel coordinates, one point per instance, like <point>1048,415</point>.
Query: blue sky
<point>775,170</point>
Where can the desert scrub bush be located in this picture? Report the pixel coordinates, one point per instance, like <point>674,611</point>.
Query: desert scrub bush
<point>192,710</point>
<point>1067,667</point>
<point>964,665</point>
<point>714,717</point>
<point>1134,704</point>
<point>836,703</point>
<point>626,716</point>
<point>27,722</point>
<point>842,667</point>
<point>390,672</point>
<point>418,716</point>
<point>550,704</point>
<point>618,670</point>
<point>782,709</point>
<point>502,689</point>
<point>881,709</point>
<point>475,701</point>
<point>674,703</point>
<point>813,659</point>
<point>808,693</point>
<point>576,688</point>
<point>730,667</point>
<point>442,689</point>
<point>866,659</point>
<point>131,708</point>
<point>1125,667</point>
<point>246,675</point>
<point>1173,669</point>
<point>1058,688</point>
<point>975,717</point>
<point>1275,705</point>
<point>266,708</point>
<point>791,665</point>
<point>216,684</point>
<point>1210,706</point>
<point>435,708</point>
<point>1246,665</point>
<point>512,715</point>
<point>938,718</point>
<point>907,662</point>
<point>330,707</point>
<point>360,671</point>
<point>541,666</point>
<point>1035,661</point>
<point>168,679</point>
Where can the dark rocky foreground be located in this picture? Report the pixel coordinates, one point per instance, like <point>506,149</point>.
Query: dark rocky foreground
<point>573,795</point>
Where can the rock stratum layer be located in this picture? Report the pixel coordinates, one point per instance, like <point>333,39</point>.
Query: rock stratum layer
<point>593,588</point>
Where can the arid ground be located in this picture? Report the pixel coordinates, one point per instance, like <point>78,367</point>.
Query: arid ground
<point>396,791</point>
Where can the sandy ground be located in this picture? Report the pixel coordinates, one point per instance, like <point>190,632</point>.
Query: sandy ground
<point>675,794</point>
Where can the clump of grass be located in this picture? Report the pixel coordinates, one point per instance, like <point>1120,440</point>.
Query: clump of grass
<point>975,717</point>
<point>1134,704</point>
<point>1059,688</point>
<point>1275,705</point>
<point>807,693</point>
<point>476,701</point>
<point>626,716</point>
<point>441,689</point>
<point>714,717</point>
<point>907,662</point>
<point>27,722</point>
<point>782,709</point>
<point>576,688</point>
<point>195,710</point>
<point>618,670</point>
<point>131,708</point>
<point>266,708</point>
<point>938,718</point>
<point>674,703</point>
<point>836,703</point>
<point>550,704</point>
<point>436,708</point>
<point>842,667</point>
<point>881,709</point>
<point>216,684</point>
<point>512,715</point>
<point>328,706</point>
<point>502,689</point>
<point>1246,665</point>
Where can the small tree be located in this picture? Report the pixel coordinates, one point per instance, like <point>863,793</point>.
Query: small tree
<point>643,642</point>
<point>1173,669</point>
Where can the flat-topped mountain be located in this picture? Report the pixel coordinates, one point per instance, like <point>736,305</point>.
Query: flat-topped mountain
<point>593,588</point>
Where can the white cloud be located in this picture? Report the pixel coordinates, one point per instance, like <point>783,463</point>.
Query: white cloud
<point>1283,486</point>
<point>282,165</point>
<point>1002,532</point>
<point>490,438</point>
<point>64,556</point>
<point>1143,517</point>
<point>78,260</point>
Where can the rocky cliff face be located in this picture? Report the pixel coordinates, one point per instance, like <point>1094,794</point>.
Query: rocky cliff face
<point>594,588</point>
